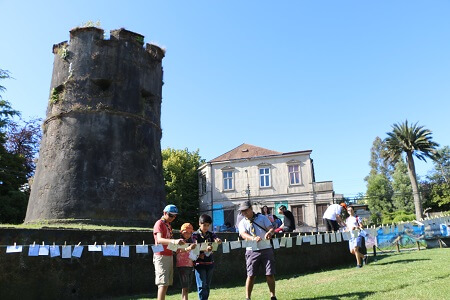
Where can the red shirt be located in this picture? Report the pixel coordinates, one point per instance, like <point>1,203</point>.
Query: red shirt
<point>162,227</point>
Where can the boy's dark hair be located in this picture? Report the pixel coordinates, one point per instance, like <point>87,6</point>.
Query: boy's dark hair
<point>205,219</point>
<point>283,207</point>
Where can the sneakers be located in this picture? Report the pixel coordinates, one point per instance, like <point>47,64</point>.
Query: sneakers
<point>366,259</point>
<point>358,266</point>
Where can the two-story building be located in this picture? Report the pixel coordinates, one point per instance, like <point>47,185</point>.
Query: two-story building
<point>269,178</point>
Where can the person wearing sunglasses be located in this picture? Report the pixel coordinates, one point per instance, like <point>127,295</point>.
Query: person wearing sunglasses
<point>163,261</point>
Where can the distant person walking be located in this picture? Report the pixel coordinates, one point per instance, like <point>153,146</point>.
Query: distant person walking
<point>257,227</point>
<point>356,243</point>
<point>332,216</point>
<point>288,224</point>
<point>163,261</point>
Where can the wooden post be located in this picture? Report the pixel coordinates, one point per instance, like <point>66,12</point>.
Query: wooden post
<point>418,245</point>
<point>374,250</point>
<point>398,246</point>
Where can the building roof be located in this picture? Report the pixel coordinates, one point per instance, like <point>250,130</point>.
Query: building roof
<point>248,151</point>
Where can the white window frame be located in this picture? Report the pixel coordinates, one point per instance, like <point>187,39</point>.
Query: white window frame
<point>267,177</point>
<point>227,181</point>
<point>292,174</point>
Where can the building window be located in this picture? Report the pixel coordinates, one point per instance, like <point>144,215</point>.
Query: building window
<point>202,181</point>
<point>264,177</point>
<point>227,180</point>
<point>320,209</point>
<point>294,174</point>
<point>297,211</point>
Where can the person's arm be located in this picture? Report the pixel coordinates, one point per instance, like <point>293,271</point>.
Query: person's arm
<point>339,220</point>
<point>164,241</point>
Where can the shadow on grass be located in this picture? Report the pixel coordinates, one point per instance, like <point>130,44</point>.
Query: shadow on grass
<point>357,295</point>
<point>401,261</point>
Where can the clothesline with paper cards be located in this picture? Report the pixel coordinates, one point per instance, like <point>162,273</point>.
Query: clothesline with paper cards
<point>69,251</point>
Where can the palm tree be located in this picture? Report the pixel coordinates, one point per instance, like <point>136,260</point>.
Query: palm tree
<point>412,140</point>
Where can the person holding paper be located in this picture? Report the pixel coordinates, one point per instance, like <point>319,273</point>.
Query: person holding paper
<point>163,261</point>
<point>288,220</point>
<point>356,242</point>
<point>204,264</point>
<point>185,265</point>
<point>257,228</point>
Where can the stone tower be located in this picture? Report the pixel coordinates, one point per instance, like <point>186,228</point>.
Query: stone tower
<point>100,158</point>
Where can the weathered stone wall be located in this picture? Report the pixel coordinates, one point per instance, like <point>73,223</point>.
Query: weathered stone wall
<point>96,276</point>
<point>100,158</point>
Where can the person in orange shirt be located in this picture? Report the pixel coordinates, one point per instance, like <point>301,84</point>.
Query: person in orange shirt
<point>185,265</point>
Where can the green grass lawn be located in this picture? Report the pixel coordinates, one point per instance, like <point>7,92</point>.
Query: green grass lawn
<point>408,275</point>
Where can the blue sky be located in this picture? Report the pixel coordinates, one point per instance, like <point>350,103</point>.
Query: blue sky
<point>326,76</point>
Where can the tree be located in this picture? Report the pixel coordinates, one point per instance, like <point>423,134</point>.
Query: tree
<point>436,187</point>
<point>401,185</point>
<point>13,172</point>
<point>379,194</point>
<point>180,169</point>
<point>23,139</point>
<point>378,165</point>
<point>415,141</point>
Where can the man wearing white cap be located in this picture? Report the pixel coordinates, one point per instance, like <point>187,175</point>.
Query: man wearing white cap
<point>163,261</point>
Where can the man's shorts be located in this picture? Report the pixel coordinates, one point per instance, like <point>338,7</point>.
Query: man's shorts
<point>186,276</point>
<point>264,258</point>
<point>163,269</point>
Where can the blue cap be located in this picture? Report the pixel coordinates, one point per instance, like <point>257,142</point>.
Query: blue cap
<point>171,209</point>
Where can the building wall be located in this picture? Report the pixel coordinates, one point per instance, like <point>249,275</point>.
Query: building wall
<point>303,194</point>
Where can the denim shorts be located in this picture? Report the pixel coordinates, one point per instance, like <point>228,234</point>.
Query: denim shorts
<point>264,258</point>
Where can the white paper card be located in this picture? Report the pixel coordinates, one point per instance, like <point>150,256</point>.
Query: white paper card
<point>312,239</point>
<point>95,248</point>
<point>333,237</point>
<point>66,251</point>
<point>306,239</point>
<point>283,242</point>
<point>111,250</point>
<point>289,242</point>
<point>144,248</point>
<point>276,244</point>
<point>13,249</point>
<point>215,246</point>
<point>54,251</point>
<point>253,244</point>
<point>235,245</point>
<point>203,246</point>
<point>196,250</point>
<point>346,235</point>
<point>327,238</point>
<point>299,240</point>
<point>172,246</point>
<point>34,250</point>
<point>319,239</point>
<point>226,247</point>
<point>244,244</point>
<point>77,251</point>
<point>44,250</point>
<point>338,237</point>
<point>124,251</point>
<point>264,244</point>
<point>192,256</point>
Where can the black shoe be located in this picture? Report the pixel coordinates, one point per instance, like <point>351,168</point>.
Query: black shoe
<point>358,266</point>
<point>273,298</point>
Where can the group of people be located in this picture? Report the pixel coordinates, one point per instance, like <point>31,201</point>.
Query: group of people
<point>256,227</point>
<point>333,221</point>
